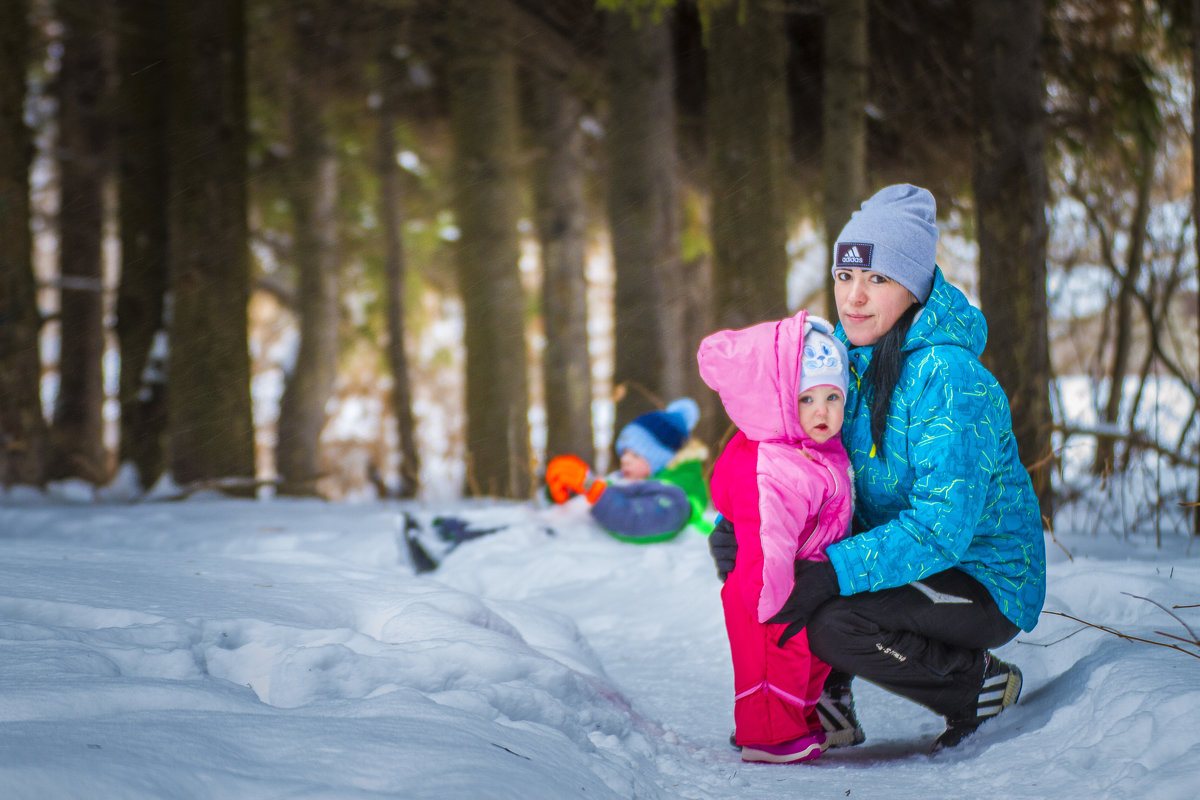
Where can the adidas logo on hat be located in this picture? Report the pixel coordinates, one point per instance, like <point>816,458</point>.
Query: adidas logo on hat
<point>853,254</point>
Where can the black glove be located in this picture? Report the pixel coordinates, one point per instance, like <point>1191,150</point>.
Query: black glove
<point>723,546</point>
<point>816,582</point>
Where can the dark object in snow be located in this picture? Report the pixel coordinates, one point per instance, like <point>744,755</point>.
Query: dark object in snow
<point>429,544</point>
<point>421,560</point>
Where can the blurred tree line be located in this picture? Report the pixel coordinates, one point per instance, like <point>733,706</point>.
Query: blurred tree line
<point>327,161</point>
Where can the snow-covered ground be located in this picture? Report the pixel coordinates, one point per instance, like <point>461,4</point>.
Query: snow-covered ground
<point>237,649</point>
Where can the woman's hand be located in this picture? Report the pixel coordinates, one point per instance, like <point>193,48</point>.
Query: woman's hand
<point>723,546</point>
<point>816,582</point>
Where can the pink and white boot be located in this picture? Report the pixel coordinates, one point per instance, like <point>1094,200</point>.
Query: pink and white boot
<point>806,748</point>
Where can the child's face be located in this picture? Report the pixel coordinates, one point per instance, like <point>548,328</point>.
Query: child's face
<point>634,467</point>
<point>821,409</point>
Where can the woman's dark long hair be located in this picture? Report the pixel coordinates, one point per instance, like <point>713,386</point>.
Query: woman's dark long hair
<point>884,372</point>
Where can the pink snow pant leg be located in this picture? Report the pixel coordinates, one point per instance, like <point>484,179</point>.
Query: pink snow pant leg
<point>776,688</point>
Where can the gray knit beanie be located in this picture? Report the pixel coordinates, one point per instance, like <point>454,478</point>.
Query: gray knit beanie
<point>895,234</point>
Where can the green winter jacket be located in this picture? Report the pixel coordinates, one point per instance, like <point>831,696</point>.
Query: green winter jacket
<point>689,476</point>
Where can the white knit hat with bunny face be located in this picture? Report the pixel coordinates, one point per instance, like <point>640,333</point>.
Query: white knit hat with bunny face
<point>824,361</point>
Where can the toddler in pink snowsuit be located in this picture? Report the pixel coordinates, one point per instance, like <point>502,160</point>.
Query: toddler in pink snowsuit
<point>785,483</point>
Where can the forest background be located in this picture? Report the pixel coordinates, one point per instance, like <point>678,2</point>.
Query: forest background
<point>415,247</point>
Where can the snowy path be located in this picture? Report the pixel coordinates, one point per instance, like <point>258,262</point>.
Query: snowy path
<point>231,649</point>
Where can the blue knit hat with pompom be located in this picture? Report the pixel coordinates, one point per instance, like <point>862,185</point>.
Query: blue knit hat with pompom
<point>659,435</point>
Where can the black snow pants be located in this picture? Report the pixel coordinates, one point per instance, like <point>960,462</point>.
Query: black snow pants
<point>924,641</point>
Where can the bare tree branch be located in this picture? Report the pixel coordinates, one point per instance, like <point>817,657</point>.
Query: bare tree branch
<point>1135,438</point>
<point>1127,637</point>
<point>1195,640</point>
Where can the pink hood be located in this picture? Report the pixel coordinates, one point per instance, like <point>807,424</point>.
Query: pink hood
<point>756,371</point>
<point>804,489</point>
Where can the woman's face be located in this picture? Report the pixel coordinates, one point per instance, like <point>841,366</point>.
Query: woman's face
<point>868,304</point>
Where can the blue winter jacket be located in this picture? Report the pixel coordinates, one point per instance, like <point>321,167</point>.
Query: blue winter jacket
<point>948,489</point>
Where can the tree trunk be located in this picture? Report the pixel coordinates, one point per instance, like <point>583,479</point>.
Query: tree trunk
<point>142,197</point>
<point>844,123</point>
<point>1123,324</point>
<point>1010,198</point>
<point>483,118</point>
<point>1196,205</point>
<point>699,315</point>
<point>643,212</point>
<point>208,389</point>
<point>747,126</point>
<point>561,224</point>
<point>313,190</point>
<point>391,202</point>
<point>77,429</point>
<point>23,434</point>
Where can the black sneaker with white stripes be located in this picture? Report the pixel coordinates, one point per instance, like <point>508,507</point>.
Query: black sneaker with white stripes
<point>838,720</point>
<point>1001,688</point>
<point>835,709</point>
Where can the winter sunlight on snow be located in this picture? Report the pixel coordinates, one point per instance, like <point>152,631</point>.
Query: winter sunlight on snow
<point>219,648</point>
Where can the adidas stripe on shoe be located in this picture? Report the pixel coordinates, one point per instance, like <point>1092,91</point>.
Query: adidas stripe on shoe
<point>838,720</point>
<point>1000,689</point>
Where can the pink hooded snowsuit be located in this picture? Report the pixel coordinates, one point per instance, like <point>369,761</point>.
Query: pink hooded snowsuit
<point>788,498</point>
